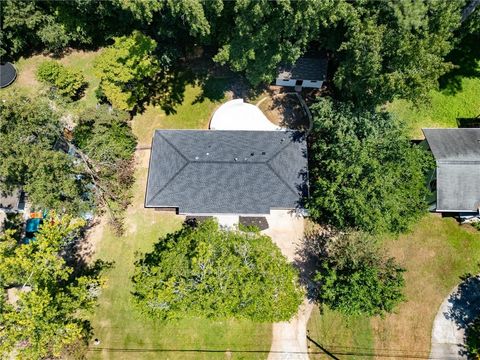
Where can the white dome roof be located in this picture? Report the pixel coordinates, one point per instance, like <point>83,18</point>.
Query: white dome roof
<point>238,115</point>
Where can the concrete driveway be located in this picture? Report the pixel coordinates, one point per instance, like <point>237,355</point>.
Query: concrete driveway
<point>289,339</point>
<point>454,316</point>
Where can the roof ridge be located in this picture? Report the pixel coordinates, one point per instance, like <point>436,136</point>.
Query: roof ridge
<point>458,162</point>
<point>169,181</point>
<point>173,146</point>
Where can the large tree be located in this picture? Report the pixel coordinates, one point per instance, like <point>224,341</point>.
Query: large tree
<point>127,70</point>
<point>356,278</point>
<point>213,273</point>
<point>44,315</point>
<point>256,36</point>
<point>364,171</point>
<point>393,48</point>
<point>29,130</point>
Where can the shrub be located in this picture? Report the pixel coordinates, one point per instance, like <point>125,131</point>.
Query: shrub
<point>473,339</point>
<point>355,278</point>
<point>68,82</point>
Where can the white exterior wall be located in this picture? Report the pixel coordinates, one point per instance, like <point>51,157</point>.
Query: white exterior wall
<point>312,84</point>
<point>281,82</point>
<point>316,84</point>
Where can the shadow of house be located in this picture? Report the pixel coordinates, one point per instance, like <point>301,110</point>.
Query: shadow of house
<point>469,122</point>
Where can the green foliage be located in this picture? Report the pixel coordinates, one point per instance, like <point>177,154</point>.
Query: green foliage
<point>364,172</point>
<point>125,70</point>
<point>213,273</point>
<point>53,297</point>
<point>68,82</point>
<point>473,339</point>
<point>265,33</point>
<point>107,143</point>
<point>29,130</point>
<point>394,49</point>
<point>355,279</point>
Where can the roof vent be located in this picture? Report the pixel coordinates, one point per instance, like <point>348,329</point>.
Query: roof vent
<point>207,154</point>
<point>196,158</point>
<point>264,153</point>
<point>251,154</point>
<point>236,159</point>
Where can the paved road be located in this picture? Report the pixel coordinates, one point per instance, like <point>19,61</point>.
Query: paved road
<point>457,311</point>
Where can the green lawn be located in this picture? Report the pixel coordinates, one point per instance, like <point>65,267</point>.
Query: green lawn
<point>191,114</point>
<point>338,334</point>
<point>443,110</point>
<point>436,254</point>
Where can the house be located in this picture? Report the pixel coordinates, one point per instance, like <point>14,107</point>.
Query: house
<point>456,181</point>
<point>306,72</point>
<point>227,172</point>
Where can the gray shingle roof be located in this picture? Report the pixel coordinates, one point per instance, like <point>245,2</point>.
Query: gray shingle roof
<point>231,172</point>
<point>457,153</point>
<point>304,69</point>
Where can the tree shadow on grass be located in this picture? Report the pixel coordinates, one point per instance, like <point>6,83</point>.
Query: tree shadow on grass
<point>465,305</point>
<point>466,59</point>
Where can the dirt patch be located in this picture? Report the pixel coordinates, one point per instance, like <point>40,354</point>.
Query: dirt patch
<point>285,110</point>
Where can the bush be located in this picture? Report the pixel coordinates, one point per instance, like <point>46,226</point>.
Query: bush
<point>68,82</point>
<point>355,278</point>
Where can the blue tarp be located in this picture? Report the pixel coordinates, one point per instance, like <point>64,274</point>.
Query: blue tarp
<point>33,225</point>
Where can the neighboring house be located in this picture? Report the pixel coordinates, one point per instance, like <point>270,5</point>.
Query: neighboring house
<point>12,202</point>
<point>457,177</point>
<point>205,172</point>
<point>306,72</point>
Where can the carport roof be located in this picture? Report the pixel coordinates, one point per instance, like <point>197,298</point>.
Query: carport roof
<point>227,172</point>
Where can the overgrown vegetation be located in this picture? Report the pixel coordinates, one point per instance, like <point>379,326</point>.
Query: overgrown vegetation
<point>207,272</point>
<point>45,298</point>
<point>355,278</point>
<point>67,82</point>
<point>29,133</point>
<point>36,157</point>
<point>364,172</point>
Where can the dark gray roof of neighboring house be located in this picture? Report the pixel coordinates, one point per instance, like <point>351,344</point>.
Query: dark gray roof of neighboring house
<point>10,201</point>
<point>7,74</point>
<point>304,69</point>
<point>457,153</point>
<point>227,172</point>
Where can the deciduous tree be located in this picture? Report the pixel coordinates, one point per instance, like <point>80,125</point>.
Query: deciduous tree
<point>364,171</point>
<point>53,297</point>
<point>355,278</point>
<point>213,273</point>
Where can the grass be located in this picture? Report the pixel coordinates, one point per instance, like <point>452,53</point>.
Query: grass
<point>191,114</point>
<point>339,334</point>
<point>436,254</point>
<point>78,60</point>
<point>443,110</point>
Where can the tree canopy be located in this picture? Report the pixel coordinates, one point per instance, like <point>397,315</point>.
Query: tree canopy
<point>125,70</point>
<point>355,278</point>
<point>364,171</point>
<point>29,130</point>
<point>209,272</point>
<point>48,297</point>
<point>106,143</point>
<point>394,49</point>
